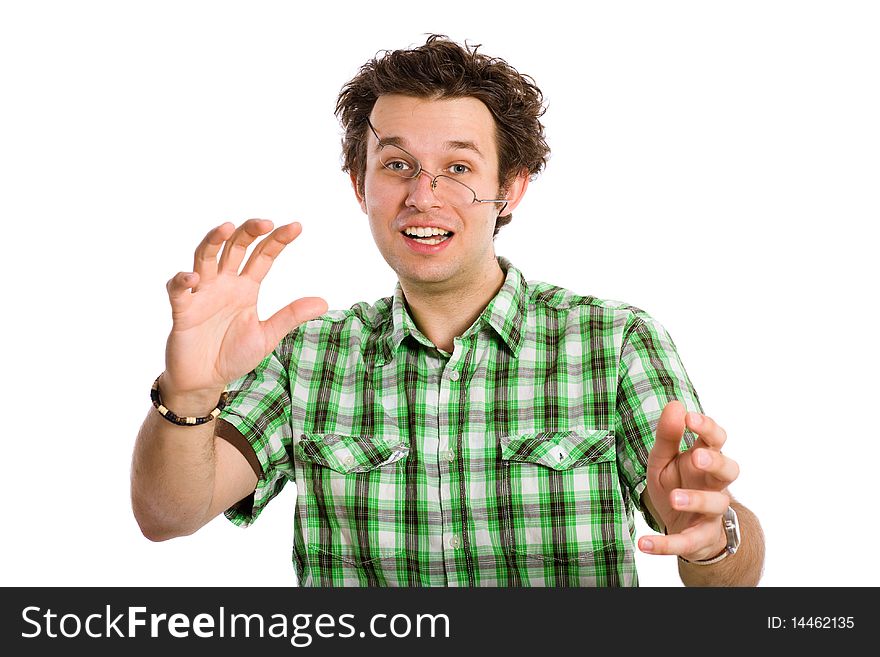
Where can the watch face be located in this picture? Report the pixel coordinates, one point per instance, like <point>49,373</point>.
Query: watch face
<point>731,527</point>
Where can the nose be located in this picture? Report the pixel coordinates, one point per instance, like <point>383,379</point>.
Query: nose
<point>421,193</point>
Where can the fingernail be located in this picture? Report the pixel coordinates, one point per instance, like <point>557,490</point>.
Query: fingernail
<point>703,459</point>
<point>695,419</point>
<point>647,545</point>
<point>680,499</point>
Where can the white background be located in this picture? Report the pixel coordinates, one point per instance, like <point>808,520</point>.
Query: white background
<point>713,163</point>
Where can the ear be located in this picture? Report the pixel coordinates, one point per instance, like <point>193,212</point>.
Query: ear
<point>516,190</point>
<point>361,199</point>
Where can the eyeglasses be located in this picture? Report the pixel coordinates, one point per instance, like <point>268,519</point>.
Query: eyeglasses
<point>447,189</point>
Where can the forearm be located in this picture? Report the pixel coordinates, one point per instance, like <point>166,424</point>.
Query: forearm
<point>744,568</point>
<point>172,475</point>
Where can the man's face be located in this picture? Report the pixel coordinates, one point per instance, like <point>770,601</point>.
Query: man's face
<point>454,137</point>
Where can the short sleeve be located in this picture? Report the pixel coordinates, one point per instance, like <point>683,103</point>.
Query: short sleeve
<point>258,407</point>
<point>650,375</point>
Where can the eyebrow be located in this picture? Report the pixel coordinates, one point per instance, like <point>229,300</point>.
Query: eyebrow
<point>454,145</point>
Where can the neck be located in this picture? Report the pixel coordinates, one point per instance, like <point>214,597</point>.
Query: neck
<point>443,312</point>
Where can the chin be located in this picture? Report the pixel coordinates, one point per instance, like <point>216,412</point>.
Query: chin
<point>422,273</point>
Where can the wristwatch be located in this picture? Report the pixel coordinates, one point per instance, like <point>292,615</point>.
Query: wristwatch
<point>731,529</point>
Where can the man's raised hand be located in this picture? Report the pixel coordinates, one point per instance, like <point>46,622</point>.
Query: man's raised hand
<point>216,335</point>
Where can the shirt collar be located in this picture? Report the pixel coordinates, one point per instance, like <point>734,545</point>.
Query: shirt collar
<point>505,314</point>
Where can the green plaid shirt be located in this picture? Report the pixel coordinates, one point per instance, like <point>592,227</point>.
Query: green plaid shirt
<point>517,460</point>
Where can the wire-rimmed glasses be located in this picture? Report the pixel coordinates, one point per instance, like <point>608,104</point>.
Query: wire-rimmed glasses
<point>447,189</point>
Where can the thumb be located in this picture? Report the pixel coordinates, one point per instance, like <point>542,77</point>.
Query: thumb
<point>291,316</point>
<point>669,432</point>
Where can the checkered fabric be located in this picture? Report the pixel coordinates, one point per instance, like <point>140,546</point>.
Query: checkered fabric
<point>517,460</point>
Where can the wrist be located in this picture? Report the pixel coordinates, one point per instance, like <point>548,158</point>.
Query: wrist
<point>193,403</point>
<point>719,548</point>
<point>729,540</point>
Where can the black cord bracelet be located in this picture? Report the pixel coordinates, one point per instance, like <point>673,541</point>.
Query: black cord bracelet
<point>174,418</point>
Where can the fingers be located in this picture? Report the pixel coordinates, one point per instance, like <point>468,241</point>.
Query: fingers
<point>235,242</point>
<point>291,316</point>
<point>701,541</point>
<point>670,429</point>
<point>714,463</point>
<point>668,435</point>
<point>237,245</point>
<point>267,250</point>
<point>707,429</point>
<point>205,261</point>
<point>178,287</point>
<point>700,501</point>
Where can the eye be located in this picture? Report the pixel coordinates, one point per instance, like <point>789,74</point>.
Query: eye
<point>459,169</point>
<point>397,165</point>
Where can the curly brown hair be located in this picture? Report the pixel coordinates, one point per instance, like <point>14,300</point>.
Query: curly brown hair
<point>443,69</point>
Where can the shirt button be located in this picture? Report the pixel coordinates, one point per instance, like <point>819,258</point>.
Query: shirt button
<point>454,542</point>
<point>454,375</point>
<point>348,460</point>
<point>448,455</point>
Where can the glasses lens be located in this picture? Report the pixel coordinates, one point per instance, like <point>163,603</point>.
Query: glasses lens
<point>447,189</point>
<point>453,192</point>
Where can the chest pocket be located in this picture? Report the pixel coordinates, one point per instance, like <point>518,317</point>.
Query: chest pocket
<point>559,450</point>
<point>350,454</point>
<point>350,510</point>
<point>561,507</point>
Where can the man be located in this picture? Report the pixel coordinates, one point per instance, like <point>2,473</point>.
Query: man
<point>472,430</point>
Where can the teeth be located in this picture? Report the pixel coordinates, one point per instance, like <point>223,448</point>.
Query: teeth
<point>421,231</point>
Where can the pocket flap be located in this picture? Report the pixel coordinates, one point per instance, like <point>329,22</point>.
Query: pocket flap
<point>560,450</point>
<point>346,454</point>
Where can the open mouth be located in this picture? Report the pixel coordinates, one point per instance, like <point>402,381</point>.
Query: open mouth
<point>429,236</point>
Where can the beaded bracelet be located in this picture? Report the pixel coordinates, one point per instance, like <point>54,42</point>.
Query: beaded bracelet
<point>174,418</point>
